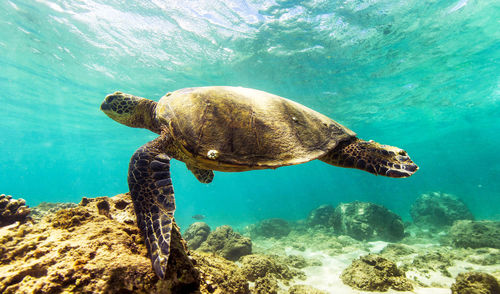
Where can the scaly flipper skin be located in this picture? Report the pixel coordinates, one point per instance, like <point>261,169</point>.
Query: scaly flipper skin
<point>372,157</point>
<point>153,196</point>
<point>205,176</point>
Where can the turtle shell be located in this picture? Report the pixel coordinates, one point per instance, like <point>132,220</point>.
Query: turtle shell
<point>234,128</point>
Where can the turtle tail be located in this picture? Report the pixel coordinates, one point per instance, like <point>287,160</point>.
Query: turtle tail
<point>372,157</point>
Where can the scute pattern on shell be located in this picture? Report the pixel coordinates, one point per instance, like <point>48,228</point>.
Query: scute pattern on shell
<point>248,129</point>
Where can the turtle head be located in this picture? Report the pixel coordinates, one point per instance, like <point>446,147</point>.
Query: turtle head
<point>130,110</point>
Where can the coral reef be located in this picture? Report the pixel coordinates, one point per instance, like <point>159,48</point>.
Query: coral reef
<point>475,234</point>
<point>93,248</point>
<point>267,271</point>
<point>227,243</point>
<point>321,216</point>
<point>475,283</point>
<point>436,210</point>
<point>367,221</point>
<point>196,234</point>
<point>12,210</point>
<point>46,208</point>
<point>218,275</point>
<point>256,266</point>
<point>273,227</point>
<point>375,273</point>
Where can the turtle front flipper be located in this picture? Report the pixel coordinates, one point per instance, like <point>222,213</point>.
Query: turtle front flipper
<point>205,176</point>
<point>153,197</point>
<point>372,157</point>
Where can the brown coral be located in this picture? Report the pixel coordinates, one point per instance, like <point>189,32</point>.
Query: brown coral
<point>12,210</point>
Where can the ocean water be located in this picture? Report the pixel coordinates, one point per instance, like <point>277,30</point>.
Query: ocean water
<point>420,75</point>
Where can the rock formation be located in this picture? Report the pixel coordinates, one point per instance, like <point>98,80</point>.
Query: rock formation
<point>475,234</point>
<point>437,210</point>
<point>273,227</point>
<point>227,243</point>
<point>321,216</point>
<point>367,221</point>
<point>375,273</point>
<point>96,248</point>
<point>475,283</point>
<point>196,234</point>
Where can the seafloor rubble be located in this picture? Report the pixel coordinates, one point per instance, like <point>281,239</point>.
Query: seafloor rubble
<point>95,247</point>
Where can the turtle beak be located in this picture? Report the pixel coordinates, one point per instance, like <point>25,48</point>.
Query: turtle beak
<point>105,106</point>
<point>107,101</point>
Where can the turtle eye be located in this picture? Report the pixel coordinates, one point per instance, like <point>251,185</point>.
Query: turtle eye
<point>110,99</point>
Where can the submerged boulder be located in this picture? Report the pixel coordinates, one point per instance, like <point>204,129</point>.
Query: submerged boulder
<point>227,243</point>
<point>12,210</point>
<point>92,248</point>
<point>375,273</point>
<point>475,234</point>
<point>273,227</point>
<point>436,210</point>
<point>367,221</point>
<point>475,283</point>
<point>256,266</point>
<point>266,271</point>
<point>196,234</point>
<point>321,216</point>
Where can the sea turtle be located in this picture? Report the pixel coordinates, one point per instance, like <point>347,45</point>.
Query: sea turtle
<point>230,129</point>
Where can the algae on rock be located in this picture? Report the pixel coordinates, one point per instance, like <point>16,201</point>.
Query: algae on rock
<point>93,248</point>
<point>475,234</point>
<point>321,216</point>
<point>367,221</point>
<point>266,271</point>
<point>436,210</point>
<point>375,273</point>
<point>227,243</point>
<point>196,234</point>
<point>475,283</point>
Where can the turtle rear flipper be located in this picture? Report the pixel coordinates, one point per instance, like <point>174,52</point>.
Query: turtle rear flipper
<point>205,176</point>
<point>153,197</point>
<point>372,157</point>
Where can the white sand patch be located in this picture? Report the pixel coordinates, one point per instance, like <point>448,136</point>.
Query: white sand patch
<point>377,246</point>
<point>327,276</point>
<point>337,253</point>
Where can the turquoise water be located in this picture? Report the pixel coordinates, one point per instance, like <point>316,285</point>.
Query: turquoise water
<point>420,75</point>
